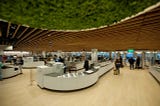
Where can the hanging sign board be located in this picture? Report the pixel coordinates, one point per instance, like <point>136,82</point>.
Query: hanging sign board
<point>130,50</point>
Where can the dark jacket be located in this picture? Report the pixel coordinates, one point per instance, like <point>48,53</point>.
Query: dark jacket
<point>131,61</point>
<point>21,62</point>
<point>138,60</point>
<point>86,65</point>
<point>117,63</point>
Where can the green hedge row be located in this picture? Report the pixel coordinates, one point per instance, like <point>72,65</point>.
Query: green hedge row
<point>70,14</point>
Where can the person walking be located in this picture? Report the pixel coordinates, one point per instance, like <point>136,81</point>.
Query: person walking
<point>117,65</point>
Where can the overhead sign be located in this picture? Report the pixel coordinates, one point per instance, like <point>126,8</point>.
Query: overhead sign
<point>130,50</point>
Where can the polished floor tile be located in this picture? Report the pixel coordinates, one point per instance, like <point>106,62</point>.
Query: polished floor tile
<point>130,88</point>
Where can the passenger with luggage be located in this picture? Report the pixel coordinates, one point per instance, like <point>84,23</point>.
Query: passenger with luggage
<point>117,65</point>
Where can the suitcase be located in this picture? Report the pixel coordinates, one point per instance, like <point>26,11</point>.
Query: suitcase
<point>115,72</point>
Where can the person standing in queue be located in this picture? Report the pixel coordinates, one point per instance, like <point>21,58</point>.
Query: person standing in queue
<point>21,62</point>
<point>131,62</point>
<point>86,65</point>
<point>138,62</point>
<point>121,61</point>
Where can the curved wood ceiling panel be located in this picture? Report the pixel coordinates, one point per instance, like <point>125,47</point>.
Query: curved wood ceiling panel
<point>139,32</point>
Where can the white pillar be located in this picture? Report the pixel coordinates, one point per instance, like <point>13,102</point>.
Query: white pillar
<point>94,55</point>
<point>125,58</point>
<point>1,52</point>
<point>143,57</point>
<point>44,54</point>
<point>59,53</point>
<point>118,54</point>
<point>151,58</point>
<point>154,57</point>
<point>83,55</point>
<point>115,55</point>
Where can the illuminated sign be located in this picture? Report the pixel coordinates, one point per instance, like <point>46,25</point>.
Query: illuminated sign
<point>130,50</point>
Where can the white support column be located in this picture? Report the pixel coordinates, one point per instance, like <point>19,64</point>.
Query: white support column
<point>154,57</point>
<point>83,55</point>
<point>1,52</point>
<point>59,53</point>
<point>44,54</point>
<point>94,55</point>
<point>70,57</point>
<point>151,58</point>
<point>115,55</point>
<point>143,57</point>
<point>118,54</point>
<point>125,58</point>
<point>135,55</point>
<point>30,53</point>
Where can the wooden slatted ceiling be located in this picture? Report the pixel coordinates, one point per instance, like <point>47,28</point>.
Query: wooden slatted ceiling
<point>32,36</point>
<point>140,32</point>
<point>16,31</point>
<point>23,32</point>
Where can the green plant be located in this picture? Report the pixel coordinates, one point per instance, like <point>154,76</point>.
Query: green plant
<point>70,14</point>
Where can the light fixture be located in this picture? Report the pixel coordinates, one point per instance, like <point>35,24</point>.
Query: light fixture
<point>148,52</point>
<point>121,52</point>
<point>138,52</point>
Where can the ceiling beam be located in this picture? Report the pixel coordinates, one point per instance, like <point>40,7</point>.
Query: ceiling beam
<point>23,37</point>
<point>26,28</point>
<point>8,28</point>
<point>32,36</point>
<point>15,32</point>
<point>40,35</point>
